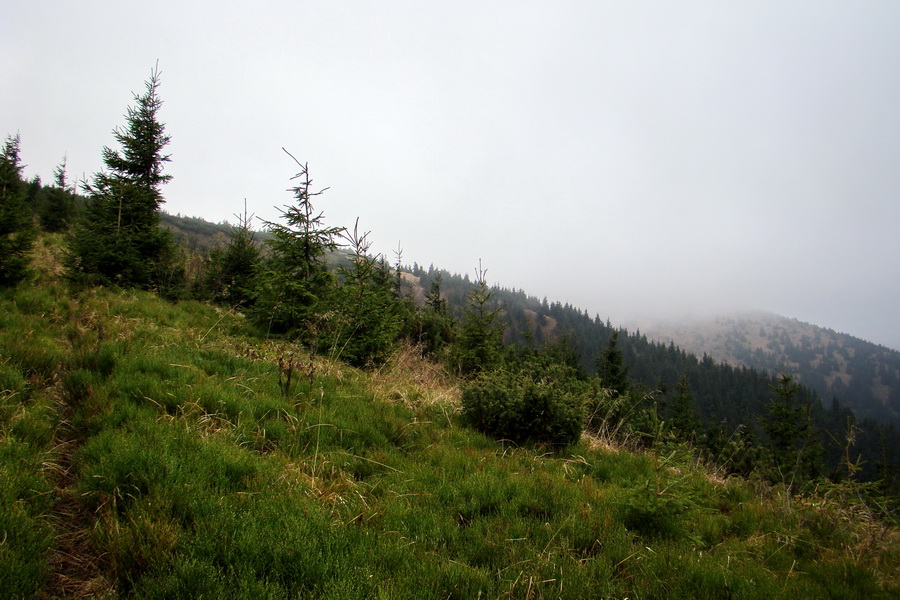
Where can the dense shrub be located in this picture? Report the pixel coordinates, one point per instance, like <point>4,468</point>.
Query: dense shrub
<point>523,409</point>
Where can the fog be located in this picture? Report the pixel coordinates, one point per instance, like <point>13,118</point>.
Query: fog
<point>635,159</point>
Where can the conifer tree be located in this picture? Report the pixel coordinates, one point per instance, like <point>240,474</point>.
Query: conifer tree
<point>16,228</point>
<point>366,322</point>
<point>480,340</point>
<point>231,270</point>
<point>611,367</point>
<point>405,311</point>
<point>437,326</point>
<point>684,419</point>
<point>58,209</point>
<point>119,239</point>
<point>294,280</point>
<point>789,425</point>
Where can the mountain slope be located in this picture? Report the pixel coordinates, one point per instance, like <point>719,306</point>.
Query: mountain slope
<point>862,375</point>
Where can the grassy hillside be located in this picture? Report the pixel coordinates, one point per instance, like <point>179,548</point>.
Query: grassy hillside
<point>863,376</point>
<point>157,450</point>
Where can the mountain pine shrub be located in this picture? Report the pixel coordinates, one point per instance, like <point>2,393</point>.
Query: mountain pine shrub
<point>522,409</point>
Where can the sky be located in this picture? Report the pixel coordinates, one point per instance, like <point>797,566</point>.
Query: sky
<point>634,159</point>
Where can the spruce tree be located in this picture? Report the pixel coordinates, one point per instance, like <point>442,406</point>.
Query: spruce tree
<point>58,208</point>
<point>479,344</point>
<point>365,322</point>
<point>119,240</point>
<point>436,324</point>
<point>683,417</point>
<point>782,422</point>
<point>611,367</point>
<point>231,269</point>
<point>16,228</point>
<point>294,280</point>
<point>788,423</point>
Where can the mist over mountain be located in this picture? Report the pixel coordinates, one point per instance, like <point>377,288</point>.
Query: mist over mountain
<point>863,375</point>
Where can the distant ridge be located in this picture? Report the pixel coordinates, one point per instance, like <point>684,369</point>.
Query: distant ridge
<point>863,375</point>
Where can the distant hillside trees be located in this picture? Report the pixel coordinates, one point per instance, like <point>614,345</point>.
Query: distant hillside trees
<point>118,240</point>
<point>16,228</point>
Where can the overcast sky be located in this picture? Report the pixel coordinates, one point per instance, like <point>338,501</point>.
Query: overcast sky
<point>631,158</point>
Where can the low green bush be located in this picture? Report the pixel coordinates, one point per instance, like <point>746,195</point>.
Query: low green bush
<point>518,408</point>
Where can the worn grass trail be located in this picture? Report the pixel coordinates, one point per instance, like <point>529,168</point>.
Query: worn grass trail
<point>75,566</point>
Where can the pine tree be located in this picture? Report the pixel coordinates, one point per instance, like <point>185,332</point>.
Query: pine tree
<point>119,239</point>
<point>58,209</point>
<point>611,367</point>
<point>294,281</point>
<point>16,228</point>
<point>479,344</point>
<point>365,322</point>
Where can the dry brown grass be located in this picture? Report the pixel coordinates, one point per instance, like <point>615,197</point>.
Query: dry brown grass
<point>414,380</point>
<point>75,566</point>
<point>603,443</point>
<point>285,354</point>
<point>47,256</point>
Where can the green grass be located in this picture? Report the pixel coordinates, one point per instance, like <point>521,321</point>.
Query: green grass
<point>27,420</point>
<point>203,476</point>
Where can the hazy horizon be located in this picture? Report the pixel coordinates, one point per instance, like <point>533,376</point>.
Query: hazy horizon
<point>637,159</point>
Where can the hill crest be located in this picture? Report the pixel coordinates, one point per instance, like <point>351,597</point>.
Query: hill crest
<point>863,375</point>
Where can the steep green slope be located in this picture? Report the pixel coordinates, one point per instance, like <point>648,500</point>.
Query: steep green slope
<point>157,450</point>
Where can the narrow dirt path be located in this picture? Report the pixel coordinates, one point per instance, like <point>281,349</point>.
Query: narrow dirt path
<point>75,565</point>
